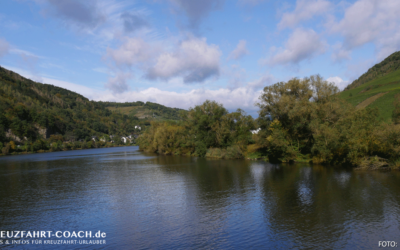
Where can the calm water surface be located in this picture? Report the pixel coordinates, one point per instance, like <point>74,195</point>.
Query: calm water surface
<point>146,201</point>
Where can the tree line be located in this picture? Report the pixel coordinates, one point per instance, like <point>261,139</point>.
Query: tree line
<point>299,120</point>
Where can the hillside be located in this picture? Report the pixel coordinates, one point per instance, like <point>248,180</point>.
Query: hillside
<point>148,111</point>
<point>32,111</point>
<point>388,65</point>
<point>377,87</point>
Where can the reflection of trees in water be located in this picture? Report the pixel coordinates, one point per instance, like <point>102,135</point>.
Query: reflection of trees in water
<point>215,179</point>
<point>317,205</point>
<point>303,204</point>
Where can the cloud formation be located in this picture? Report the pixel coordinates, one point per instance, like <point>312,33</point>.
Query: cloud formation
<point>231,99</point>
<point>133,52</point>
<point>240,51</point>
<point>193,59</point>
<point>302,44</point>
<point>339,82</point>
<point>4,47</point>
<point>81,13</point>
<point>262,82</point>
<point>368,21</point>
<point>118,84</point>
<point>305,10</point>
<point>196,10</point>
<point>133,22</point>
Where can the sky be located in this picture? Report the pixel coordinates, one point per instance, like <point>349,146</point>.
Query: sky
<point>180,53</point>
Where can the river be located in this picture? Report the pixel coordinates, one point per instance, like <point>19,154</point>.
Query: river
<point>144,201</point>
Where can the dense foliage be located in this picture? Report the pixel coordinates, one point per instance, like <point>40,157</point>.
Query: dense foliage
<point>206,129</point>
<point>31,111</point>
<point>302,119</point>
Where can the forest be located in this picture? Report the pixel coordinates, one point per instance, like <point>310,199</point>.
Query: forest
<point>36,117</point>
<point>302,120</point>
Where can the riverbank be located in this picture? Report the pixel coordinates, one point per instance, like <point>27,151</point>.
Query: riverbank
<point>51,150</point>
<point>370,163</point>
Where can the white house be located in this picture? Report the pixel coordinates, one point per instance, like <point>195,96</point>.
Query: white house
<point>124,139</point>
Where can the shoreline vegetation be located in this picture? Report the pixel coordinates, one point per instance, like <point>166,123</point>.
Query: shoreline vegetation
<point>301,120</point>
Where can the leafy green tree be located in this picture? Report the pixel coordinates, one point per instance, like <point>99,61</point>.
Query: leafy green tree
<point>295,104</point>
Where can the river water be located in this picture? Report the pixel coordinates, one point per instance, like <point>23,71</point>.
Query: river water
<point>144,201</point>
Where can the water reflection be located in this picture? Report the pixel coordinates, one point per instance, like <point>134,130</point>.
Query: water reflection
<point>161,202</point>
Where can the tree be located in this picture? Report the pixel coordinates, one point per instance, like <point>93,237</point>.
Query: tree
<point>209,124</point>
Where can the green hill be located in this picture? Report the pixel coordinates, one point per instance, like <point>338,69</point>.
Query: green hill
<point>148,111</point>
<point>32,111</point>
<point>377,87</point>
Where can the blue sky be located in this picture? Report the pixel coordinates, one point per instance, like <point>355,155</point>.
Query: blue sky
<point>181,52</point>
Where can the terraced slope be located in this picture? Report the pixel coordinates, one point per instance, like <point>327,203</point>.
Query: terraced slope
<point>378,92</point>
<point>148,111</point>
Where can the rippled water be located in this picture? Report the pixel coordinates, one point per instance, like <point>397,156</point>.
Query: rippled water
<point>146,201</point>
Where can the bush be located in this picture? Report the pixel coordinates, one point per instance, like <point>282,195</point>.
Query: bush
<point>201,149</point>
<point>38,145</point>
<point>6,150</point>
<point>232,152</point>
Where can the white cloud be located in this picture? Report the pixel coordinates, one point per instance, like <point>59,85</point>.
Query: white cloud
<point>339,82</point>
<point>240,51</point>
<point>370,21</point>
<point>193,59</point>
<point>133,52</point>
<point>262,82</point>
<point>305,10</point>
<point>4,47</point>
<point>302,44</point>
<point>232,99</point>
